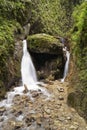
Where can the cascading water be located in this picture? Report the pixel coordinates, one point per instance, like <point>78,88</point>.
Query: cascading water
<point>66,64</point>
<point>29,79</point>
<point>28,72</point>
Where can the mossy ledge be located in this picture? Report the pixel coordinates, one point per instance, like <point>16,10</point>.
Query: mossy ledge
<point>44,43</point>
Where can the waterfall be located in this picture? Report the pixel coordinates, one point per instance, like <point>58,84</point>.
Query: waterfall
<point>66,64</point>
<point>29,80</point>
<point>28,72</point>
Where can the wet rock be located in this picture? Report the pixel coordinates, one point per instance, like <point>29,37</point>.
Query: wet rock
<point>1,119</point>
<point>16,99</point>
<point>26,89</point>
<point>30,118</point>
<point>34,94</point>
<point>19,112</point>
<point>2,109</point>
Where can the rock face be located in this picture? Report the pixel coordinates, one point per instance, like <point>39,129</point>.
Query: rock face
<point>14,65</point>
<point>78,100</point>
<point>47,55</point>
<point>12,69</point>
<point>77,96</point>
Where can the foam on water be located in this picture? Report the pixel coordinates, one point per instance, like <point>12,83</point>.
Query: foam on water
<point>27,68</point>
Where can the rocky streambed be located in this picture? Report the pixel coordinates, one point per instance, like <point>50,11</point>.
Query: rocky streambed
<point>42,112</point>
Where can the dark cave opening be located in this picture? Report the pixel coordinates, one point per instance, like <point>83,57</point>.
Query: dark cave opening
<point>48,64</point>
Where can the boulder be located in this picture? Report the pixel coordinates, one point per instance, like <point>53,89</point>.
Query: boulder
<point>43,43</point>
<point>47,55</point>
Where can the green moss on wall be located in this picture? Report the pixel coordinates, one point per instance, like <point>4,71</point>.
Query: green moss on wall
<point>79,51</point>
<point>49,17</point>
<point>7,29</point>
<point>13,14</point>
<point>80,40</point>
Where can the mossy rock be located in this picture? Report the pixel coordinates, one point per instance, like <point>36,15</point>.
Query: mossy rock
<point>46,52</point>
<point>10,68</point>
<point>77,93</point>
<point>43,43</point>
<point>78,100</point>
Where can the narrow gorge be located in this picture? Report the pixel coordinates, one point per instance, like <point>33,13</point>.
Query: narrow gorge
<point>43,80</point>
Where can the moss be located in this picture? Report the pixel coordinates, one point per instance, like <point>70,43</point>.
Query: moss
<point>79,52</point>
<point>7,40</point>
<point>50,17</point>
<point>43,43</point>
<point>17,10</point>
<point>13,14</point>
<point>80,37</point>
<point>7,29</point>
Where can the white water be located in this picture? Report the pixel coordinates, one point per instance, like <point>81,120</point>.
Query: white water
<point>29,79</point>
<point>66,64</point>
<point>28,72</point>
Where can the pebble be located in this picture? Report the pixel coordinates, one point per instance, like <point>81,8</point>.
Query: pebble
<point>35,94</point>
<point>2,109</point>
<point>1,119</point>
<point>68,118</point>
<point>61,97</point>
<point>60,89</point>
<point>47,111</point>
<point>61,118</point>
